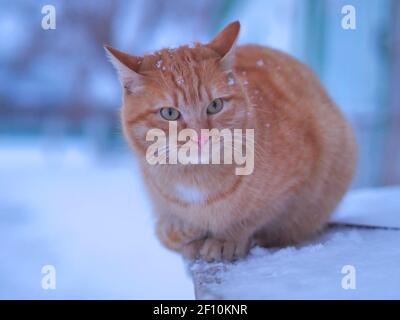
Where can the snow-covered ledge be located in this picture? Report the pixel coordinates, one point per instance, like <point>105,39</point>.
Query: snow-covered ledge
<point>346,262</point>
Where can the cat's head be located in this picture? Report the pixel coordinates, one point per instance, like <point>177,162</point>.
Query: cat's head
<point>195,87</point>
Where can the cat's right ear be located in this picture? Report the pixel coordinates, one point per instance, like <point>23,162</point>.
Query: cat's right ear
<point>224,44</point>
<point>126,65</point>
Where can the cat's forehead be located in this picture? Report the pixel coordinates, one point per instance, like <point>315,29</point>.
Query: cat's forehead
<point>177,58</point>
<point>182,76</point>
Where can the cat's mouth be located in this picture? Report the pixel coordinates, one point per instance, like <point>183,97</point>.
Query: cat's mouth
<point>198,152</point>
<point>208,151</point>
<point>211,149</point>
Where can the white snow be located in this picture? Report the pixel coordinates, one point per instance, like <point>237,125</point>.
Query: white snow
<point>89,218</point>
<point>231,81</point>
<point>180,81</point>
<point>311,271</point>
<point>158,64</point>
<point>379,207</point>
<point>260,62</point>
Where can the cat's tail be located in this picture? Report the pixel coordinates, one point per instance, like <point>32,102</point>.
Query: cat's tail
<point>375,207</point>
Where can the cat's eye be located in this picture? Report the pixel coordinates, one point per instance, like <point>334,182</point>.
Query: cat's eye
<point>169,113</point>
<point>215,106</point>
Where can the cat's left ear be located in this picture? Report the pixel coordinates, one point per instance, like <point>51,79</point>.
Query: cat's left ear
<point>224,44</point>
<point>126,65</point>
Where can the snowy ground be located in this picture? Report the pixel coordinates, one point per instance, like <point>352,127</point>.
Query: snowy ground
<point>88,218</point>
<point>312,271</point>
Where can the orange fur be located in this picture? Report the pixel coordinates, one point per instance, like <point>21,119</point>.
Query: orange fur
<point>304,149</point>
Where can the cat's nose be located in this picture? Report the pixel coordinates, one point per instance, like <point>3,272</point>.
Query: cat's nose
<point>200,139</point>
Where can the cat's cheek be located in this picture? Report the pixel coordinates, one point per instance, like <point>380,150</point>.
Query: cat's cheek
<point>136,139</point>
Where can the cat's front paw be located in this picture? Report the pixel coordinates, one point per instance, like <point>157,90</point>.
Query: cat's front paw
<point>175,235</point>
<point>212,249</point>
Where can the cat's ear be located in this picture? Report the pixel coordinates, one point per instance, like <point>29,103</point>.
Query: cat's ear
<point>224,44</point>
<point>126,65</point>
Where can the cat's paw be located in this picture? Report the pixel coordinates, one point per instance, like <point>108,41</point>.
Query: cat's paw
<point>191,250</point>
<point>175,234</point>
<point>212,249</point>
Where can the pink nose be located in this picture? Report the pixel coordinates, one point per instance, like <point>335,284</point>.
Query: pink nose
<point>200,140</point>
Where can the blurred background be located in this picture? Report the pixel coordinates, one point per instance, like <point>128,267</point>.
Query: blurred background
<point>70,193</point>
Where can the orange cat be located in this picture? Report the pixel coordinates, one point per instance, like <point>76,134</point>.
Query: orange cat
<point>304,150</point>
